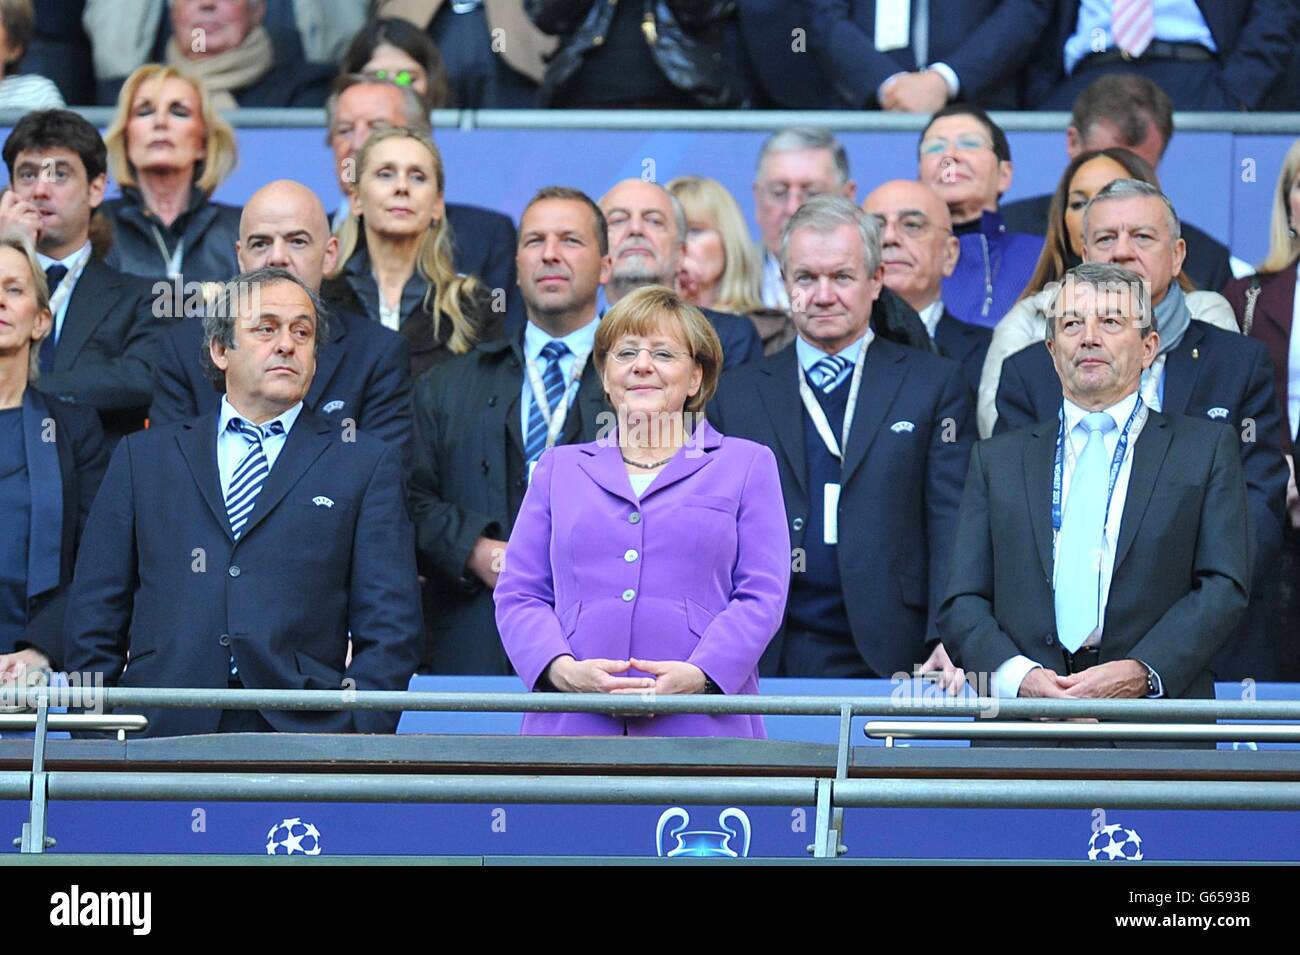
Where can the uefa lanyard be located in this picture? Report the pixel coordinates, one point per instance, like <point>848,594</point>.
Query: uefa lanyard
<point>554,419</point>
<point>69,281</point>
<point>172,261</point>
<point>1116,462</point>
<point>814,408</point>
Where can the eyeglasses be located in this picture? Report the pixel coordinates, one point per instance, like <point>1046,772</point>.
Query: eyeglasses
<point>965,143</point>
<point>912,226</point>
<point>400,77</point>
<point>780,191</point>
<point>660,356</point>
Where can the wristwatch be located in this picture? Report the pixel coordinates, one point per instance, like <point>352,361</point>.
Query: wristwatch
<point>710,686</point>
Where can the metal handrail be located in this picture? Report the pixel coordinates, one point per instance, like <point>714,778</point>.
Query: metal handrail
<point>75,722</point>
<point>1170,732</point>
<point>716,790</point>
<point>1164,710</point>
<point>747,120</point>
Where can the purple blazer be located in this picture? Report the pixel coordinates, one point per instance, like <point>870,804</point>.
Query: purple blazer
<point>697,570</point>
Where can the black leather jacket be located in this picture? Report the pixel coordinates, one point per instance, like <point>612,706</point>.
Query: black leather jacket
<point>688,44</point>
<point>208,230</point>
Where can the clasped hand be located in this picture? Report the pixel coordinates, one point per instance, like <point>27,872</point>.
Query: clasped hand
<point>599,675</point>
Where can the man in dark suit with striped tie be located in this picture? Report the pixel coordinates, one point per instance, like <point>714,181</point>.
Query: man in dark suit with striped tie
<point>248,547</point>
<point>483,419</point>
<point>872,440</point>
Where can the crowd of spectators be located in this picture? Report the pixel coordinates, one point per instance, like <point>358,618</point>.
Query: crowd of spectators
<point>680,54</point>
<point>456,339</point>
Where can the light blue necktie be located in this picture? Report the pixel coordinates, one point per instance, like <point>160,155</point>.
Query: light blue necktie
<point>553,382</point>
<point>829,372</point>
<point>1082,539</point>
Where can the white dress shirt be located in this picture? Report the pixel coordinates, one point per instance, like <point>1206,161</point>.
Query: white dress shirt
<point>930,316</point>
<point>1176,21</point>
<point>1011,674</point>
<point>580,342</point>
<point>232,447</point>
<point>69,263</point>
<point>774,293</point>
<point>810,355</point>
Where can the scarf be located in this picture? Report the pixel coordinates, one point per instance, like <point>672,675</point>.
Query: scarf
<point>1172,318</point>
<point>225,74</point>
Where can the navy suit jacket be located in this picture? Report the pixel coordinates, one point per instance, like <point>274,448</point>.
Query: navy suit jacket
<point>900,491</point>
<point>785,76</point>
<point>484,245</point>
<point>740,341</point>
<point>966,344</point>
<point>1182,564</point>
<point>106,348</point>
<point>161,579</point>
<point>1207,258</point>
<point>984,41</point>
<point>1255,41</point>
<point>1229,372</point>
<point>362,373</point>
<point>66,458</point>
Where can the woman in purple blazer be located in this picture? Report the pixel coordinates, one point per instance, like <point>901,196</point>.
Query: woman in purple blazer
<point>656,558</point>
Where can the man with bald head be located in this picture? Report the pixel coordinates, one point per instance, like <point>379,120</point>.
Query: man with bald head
<point>919,251</point>
<point>647,239</point>
<point>362,379</point>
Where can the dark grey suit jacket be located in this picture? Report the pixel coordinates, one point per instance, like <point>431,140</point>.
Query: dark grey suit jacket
<point>1182,567</point>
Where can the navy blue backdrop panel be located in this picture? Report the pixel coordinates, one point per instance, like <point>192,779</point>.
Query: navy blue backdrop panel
<point>1220,181</point>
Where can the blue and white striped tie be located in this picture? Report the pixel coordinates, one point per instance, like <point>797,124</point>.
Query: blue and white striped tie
<point>829,372</point>
<point>251,473</point>
<point>553,382</point>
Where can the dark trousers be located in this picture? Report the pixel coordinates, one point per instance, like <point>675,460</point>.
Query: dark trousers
<point>806,653</point>
<point>1192,86</point>
<point>1285,621</point>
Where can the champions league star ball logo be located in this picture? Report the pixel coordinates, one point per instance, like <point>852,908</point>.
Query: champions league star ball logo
<point>703,843</point>
<point>293,837</point>
<point>1115,843</point>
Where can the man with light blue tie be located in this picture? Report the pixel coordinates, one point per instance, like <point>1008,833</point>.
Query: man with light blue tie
<point>255,546</point>
<point>1105,552</point>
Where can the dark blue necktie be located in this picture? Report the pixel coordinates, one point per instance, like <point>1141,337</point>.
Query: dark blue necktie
<point>53,276</point>
<point>553,382</point>
<point>250,475</point>
<point>829,373</point>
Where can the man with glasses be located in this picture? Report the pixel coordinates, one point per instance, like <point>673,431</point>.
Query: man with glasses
<point>794,165</point>
<point>964,156</point>
<point>919,251</point>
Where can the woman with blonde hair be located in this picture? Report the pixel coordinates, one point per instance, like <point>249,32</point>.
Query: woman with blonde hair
<point>52,458</point>
<point>721,269</point>
<point>1265,305</point>
<point>169,150</point>
<point>395,253</point>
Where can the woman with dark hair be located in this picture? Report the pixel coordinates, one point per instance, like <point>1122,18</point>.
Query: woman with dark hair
<point>401,53</point>
<point>395,253</point>
<point>52,458</point>
<point>1086,175</point>
<point>169,150</point>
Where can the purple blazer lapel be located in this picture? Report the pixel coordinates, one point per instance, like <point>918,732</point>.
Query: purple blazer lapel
<point>695,455</point>
<point>603,463</point>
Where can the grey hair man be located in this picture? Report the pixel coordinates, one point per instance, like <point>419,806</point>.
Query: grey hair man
<point>872,438</point>
<point>647,240</point>
<point>794,165</point>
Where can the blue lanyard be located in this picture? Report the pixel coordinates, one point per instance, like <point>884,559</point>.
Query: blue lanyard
<point>1116,462</point>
